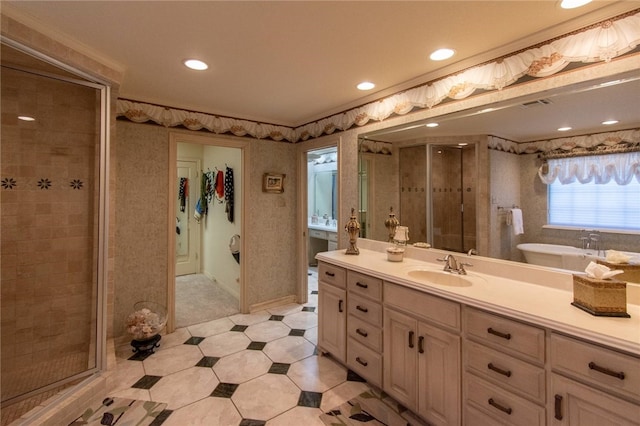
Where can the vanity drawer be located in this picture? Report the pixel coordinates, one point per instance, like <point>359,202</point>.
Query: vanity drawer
<point>365,333</point>
<point>332,275</point>
<point>431,308</point>
<point>602,367</point>
<point>513,337</point>
<point>365,309</point>
<point>503,406</point>
<point>515,375</point>
<point>364,362</point>
<point>332,236</point>
<point>364,285</point>
<point>314,233</point>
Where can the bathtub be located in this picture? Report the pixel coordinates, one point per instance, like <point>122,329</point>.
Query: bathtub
<point>564,257</point>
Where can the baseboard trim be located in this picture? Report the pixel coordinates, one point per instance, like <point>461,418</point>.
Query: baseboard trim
<point>272,303</point>
<point>232,290</point>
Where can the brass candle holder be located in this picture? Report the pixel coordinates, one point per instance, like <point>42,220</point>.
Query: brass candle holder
<point>353,229</point>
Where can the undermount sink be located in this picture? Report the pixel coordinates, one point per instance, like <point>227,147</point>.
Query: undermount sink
<point>440,277</point>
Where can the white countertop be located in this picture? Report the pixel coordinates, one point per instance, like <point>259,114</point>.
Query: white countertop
<point>322,227</point>
<point>539,304</point>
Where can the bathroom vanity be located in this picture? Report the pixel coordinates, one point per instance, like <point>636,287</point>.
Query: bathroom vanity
<point>322,238</point>
<point>501,345</point>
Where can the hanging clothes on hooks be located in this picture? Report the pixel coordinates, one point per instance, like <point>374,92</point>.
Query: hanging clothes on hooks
<point>183,192</point>
<point>219,186</point>
<point>228,193</point>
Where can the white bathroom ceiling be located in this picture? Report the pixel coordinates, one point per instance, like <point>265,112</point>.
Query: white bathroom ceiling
<point>293,62</point>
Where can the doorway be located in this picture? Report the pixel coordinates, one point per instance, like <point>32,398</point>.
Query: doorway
<point>320,211</point>
<point>207,191</point>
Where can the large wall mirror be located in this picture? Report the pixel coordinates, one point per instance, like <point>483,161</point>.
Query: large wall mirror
<point>452,187</point>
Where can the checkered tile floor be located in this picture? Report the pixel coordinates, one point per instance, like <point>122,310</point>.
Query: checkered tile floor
<point>256,369</point>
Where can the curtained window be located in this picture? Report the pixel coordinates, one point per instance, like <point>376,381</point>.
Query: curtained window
<point>596,191</point>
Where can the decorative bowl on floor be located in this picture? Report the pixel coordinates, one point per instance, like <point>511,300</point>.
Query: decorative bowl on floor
<point>145,324</point>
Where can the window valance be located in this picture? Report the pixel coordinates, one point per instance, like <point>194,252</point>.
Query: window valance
<point>600,169</point>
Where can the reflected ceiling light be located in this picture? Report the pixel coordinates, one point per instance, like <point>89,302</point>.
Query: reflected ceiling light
<point>432,124</point>
<point>572,4</point>
<point>365,85</point>
<point>610,83</point>
<point>564,129</point>
<point>441,54</point>
<point>463,144</point>
<point>486,110</point>
<point>26,118</point>
<point>609,122</point>
<point>195,64</point>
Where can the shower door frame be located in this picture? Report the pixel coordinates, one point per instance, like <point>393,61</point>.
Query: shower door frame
<point>102,244</point>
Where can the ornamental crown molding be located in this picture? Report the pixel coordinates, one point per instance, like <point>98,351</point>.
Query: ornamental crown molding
<point>599,42</point>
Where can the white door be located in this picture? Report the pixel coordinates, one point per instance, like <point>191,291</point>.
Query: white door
<point>187,229</point>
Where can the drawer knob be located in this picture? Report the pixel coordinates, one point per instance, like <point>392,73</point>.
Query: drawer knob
<point>364,363</point>
<point>362,309</point>
<point>506,336</point>
<point>359,284</point>
<point>604,370</point>
<point>498,370</point>
<point>362,332</point>
<point>500,406</point>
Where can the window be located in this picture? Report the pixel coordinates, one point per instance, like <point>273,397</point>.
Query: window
<point>591,205</point>
<point>597,191</point>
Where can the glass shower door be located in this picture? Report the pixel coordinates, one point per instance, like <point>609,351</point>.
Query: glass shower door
<point>49,210</point>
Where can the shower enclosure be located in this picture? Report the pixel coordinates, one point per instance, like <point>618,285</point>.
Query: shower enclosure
<point>52,203</point>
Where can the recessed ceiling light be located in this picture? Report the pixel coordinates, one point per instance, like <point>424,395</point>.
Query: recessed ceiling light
<point>432,124</point>
<point>441,54</point>
<point>609,122</point>
<point>365,85</point>
<point>195,64</point>
<point>572,4</point>
<point>564,129</point>
<point>26,118</point>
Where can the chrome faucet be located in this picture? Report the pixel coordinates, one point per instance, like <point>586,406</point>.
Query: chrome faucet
<point>452,265</point>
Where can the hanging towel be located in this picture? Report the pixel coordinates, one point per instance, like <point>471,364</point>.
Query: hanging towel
<point>228,193</point>
<point>516,221</point>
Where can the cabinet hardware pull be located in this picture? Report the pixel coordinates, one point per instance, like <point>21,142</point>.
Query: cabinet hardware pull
<point>499,334</point>
<point>362,333</point>
<point>411,333</point>
<point>558,407</point>
<point>340,306</point>
<point>331,274</point>
<point>361,309</point>
<point>507,373</point>
<point>365,363</point>
<point>421,344</point>
<point>499,406</point>
<point>604,370</point>
<point>359,284</point>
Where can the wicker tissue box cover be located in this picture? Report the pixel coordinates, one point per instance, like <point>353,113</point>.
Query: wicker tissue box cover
<point>606,298</point>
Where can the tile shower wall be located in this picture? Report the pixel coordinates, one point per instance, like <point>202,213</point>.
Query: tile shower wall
<point>49,189</point>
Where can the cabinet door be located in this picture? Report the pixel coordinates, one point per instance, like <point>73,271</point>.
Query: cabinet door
<point>579,405</point>
<point>438,375</point>
<point>332,323</point>
<point>400,360</point>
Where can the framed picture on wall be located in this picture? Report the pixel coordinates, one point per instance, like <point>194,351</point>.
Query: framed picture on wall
<point>273,182</point>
